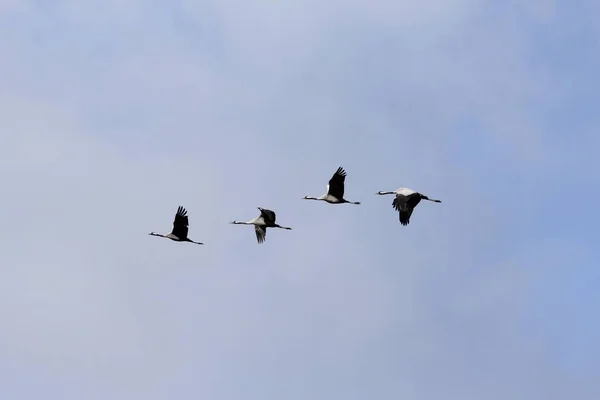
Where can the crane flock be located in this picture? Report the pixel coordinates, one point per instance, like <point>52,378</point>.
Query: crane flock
<point>404,202</point>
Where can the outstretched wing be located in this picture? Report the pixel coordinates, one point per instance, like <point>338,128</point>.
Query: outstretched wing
<point>180,224</point>
<point>268,215</point>
<point>261,233</point>
<point>336,184</point>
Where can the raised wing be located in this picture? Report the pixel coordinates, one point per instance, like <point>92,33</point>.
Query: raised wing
<point>336,184</point>
<point>268,215</point>
<point>180,224</point>
<point>261,233</point>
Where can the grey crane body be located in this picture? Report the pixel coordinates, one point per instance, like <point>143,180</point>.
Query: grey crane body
<point>335,190</point>
<point>180,228</point>
<point>265,220</point>
<point>405,202</point>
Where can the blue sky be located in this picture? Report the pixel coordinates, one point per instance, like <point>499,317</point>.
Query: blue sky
<point>114,113</point>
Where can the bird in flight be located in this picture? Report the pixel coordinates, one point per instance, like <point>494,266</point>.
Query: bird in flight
<point>180,228</point>
<point>405,202</point>
<point>265,220</point>
<point>335,190</point>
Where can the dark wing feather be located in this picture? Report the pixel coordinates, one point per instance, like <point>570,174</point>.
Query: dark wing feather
<point>261,233</point>
<point>180,224</point>
<point>336,184</point>
<point>405,206</point>
<point>399,202</point>
<point>413,200</point>
<point>268,215</point>
<point>405,216</point>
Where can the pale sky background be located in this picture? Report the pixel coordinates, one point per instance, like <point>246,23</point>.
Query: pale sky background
<point>113,113</point>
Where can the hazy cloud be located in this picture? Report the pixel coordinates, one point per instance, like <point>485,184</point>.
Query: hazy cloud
<point>114,113</point>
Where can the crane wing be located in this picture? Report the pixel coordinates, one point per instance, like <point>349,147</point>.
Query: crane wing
<point>413,200</point>
<point>268,215</point>
<point>405,216</point>
<point>180,224</point>
<point>405,205</point>
<point>336,184</point>
<point>399,202</point>
<point>261,233</point>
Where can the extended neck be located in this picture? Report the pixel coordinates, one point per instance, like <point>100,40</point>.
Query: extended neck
<point>382,193</point>
<point>240,223</point>
<point>156,234</point>
<point>311,198</point>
